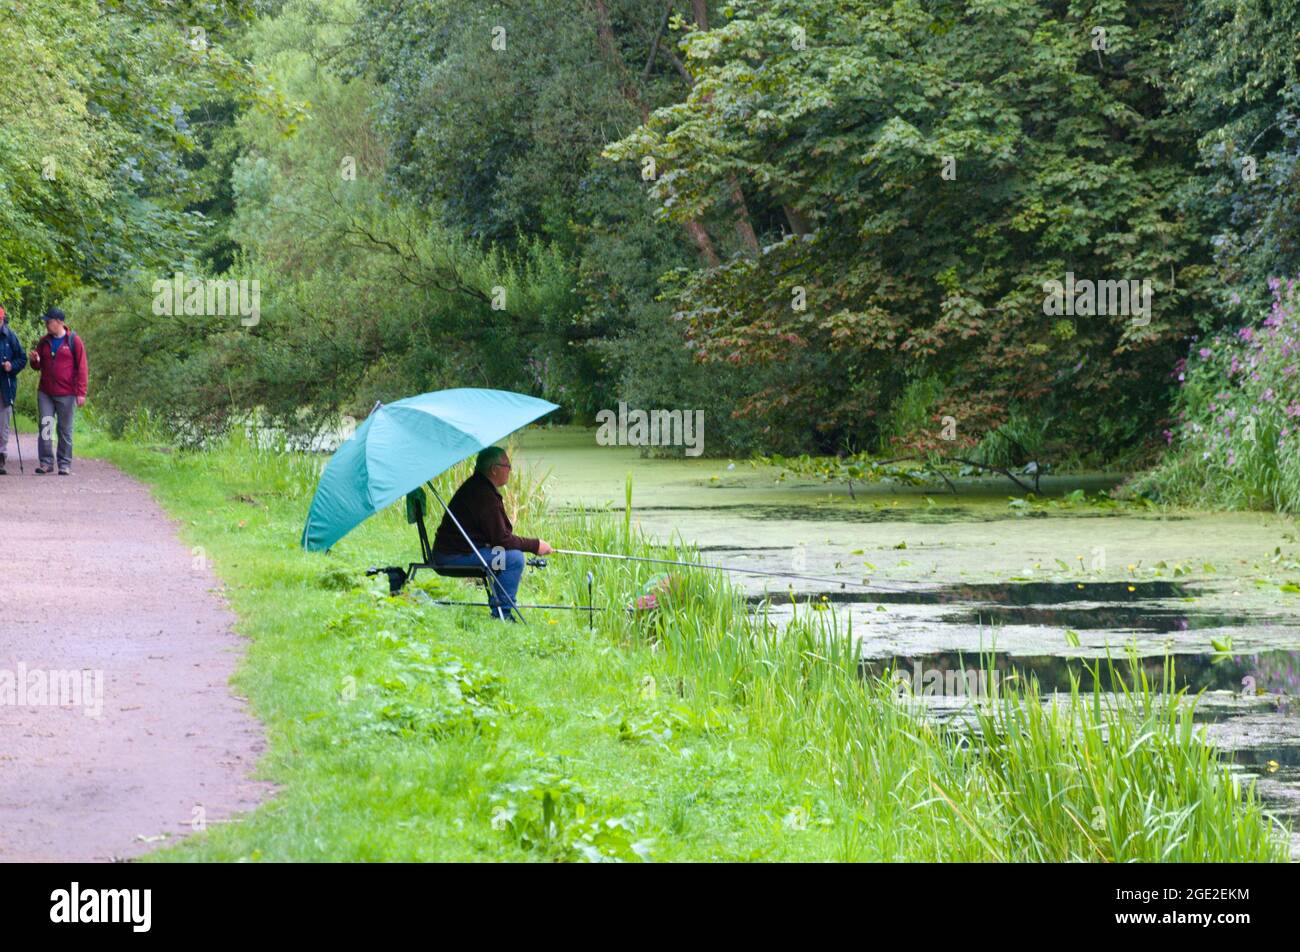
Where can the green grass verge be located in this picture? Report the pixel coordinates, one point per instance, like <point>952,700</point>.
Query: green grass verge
<point>402,731</point>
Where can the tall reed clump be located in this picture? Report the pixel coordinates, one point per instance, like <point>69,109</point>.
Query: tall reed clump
<point>1116,777</point>
<point>1087,777</point>
<point>1237,440</point>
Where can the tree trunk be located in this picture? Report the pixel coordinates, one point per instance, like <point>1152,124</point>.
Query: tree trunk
<point>744,227</point>
<point>701,10</point>
<point>609,48</point>
<point>702,241</point>
<point>798,223</point>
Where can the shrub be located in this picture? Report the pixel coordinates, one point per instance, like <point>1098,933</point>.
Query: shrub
<point>1237,435</point>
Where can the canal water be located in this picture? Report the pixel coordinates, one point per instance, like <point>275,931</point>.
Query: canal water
<point>929,581</point>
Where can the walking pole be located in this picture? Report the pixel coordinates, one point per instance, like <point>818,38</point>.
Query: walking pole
<point>591,615</point>
<point>473,548</point>
<point>13,420</point>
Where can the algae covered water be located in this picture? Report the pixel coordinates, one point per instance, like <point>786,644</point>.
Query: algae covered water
<point>1040,587</point>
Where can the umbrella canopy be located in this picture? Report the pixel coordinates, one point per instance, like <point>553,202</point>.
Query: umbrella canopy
<point>402,445</point>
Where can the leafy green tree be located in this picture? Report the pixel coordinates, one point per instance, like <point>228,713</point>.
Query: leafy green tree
<point>936,163</point>
<point>94,131</point>
<point>363,295</point>
<point>497,114</point>
<point>1235,70</point>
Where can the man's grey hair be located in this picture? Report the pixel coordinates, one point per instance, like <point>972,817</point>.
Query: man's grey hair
<point>488,458</point>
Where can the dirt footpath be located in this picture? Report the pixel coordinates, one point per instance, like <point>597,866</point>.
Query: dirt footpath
<point>101,603</point>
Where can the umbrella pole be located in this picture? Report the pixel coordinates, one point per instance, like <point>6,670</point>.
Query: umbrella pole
<point>473,548</point>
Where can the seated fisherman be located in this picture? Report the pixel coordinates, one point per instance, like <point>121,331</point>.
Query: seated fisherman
<point>478,507</point>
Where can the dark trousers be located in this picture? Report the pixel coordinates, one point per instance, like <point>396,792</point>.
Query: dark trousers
<point>507,564</point>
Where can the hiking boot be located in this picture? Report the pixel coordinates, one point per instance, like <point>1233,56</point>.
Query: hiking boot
<point>3,471</point>
<point>65,472</point>
<point>43,470</point>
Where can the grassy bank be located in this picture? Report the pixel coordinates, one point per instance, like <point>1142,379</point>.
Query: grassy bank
<point>399,730</point>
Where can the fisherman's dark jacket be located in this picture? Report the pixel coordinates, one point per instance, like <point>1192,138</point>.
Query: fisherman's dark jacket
<point>478,506</point>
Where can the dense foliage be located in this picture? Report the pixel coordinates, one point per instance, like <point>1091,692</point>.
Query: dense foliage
<point>1238,79</point>
<point>102,105</point>
<point>1062,160</point>
<point>829,223</point>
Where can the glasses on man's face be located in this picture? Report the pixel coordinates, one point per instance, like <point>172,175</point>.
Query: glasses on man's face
<point>504,465</point>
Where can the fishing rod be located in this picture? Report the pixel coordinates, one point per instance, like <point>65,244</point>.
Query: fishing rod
<point>730,568</point>
<point>565,608</point>
<point>536,562</point>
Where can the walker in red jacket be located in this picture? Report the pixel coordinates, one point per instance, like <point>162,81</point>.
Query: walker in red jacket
<point>60,356</point>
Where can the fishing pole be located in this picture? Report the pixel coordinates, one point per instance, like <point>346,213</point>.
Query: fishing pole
<point>729,568</point>
<point>565,608</point>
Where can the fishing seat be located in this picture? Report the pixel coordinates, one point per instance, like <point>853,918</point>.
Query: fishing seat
<point>415,503</point>
<point>397,577</point>
<point>459,571</point>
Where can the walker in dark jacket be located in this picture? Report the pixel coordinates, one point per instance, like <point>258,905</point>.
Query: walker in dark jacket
<point>11,351</point>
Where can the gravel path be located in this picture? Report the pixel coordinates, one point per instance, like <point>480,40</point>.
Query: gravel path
<point>94,582</point>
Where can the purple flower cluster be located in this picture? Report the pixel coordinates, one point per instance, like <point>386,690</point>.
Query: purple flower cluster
<point>1240,393</point>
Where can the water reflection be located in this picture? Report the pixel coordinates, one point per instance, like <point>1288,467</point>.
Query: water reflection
<point>1084,606</point>
<point>1274,672</point>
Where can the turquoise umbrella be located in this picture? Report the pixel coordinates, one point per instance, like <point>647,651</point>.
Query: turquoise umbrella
<point>402,445</point>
